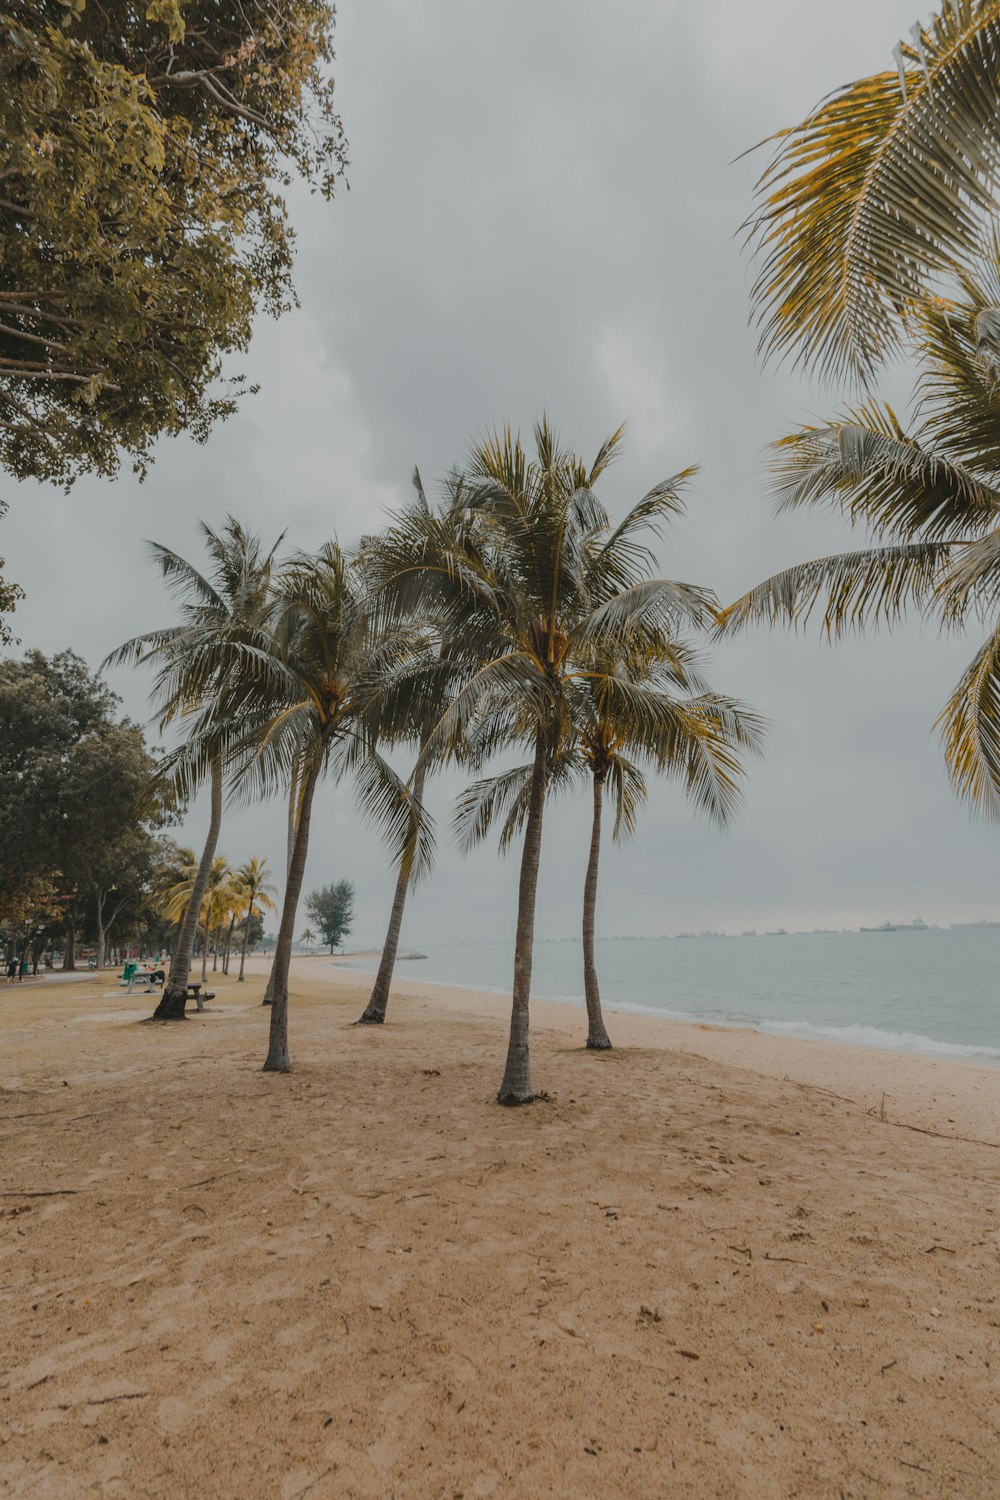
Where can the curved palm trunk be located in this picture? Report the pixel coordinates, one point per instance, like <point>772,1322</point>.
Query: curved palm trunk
<point>246,939</point>
<point>229,944</point>
<point>516,1085</point>
<point>293,808</point>
<point>174,997</point>
<point>374,1015</point>
<point>204,954</point>
<point>597,1036</point>
<point>277,1060</point>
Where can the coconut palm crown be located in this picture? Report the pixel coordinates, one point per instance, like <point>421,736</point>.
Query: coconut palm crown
<point>190,663</point>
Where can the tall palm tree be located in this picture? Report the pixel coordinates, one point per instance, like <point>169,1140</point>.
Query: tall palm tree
<point>308,937</point>
<point>532,579</point>
<point>257,890</point>
<point>191,669</point>
<point>649,711</point>
<point>304,697</point>
<point>635,711</point>
<point>434,682</point>
<point>932,500</point>
<point>888,185</point>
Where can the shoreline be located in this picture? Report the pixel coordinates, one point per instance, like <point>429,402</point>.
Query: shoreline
<point>968,1055</point>
<point>952,1096</point>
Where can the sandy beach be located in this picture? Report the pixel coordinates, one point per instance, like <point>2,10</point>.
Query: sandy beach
<point>709,1264</point>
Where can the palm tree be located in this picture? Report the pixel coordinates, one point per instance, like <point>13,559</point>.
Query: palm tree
<point>304,698</point>
<point>255,882</point>
<point>530,580</point>
<point>191,668</point>
<point>884,187</point>
<point>434,683</point>
<point>220,894</point>
<point>697,738</point>
<point>307,937</point>
<point>631,711</point>
<point>932,500</point>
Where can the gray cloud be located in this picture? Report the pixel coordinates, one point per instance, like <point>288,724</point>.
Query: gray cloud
<point>544,214</point>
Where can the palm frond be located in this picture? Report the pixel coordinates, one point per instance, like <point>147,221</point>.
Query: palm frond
<point>970,730</point>
<point>870,470</point>
<point>853,589</point>
<point>885,186</point>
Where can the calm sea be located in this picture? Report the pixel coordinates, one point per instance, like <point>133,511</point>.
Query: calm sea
<point>935,991</point>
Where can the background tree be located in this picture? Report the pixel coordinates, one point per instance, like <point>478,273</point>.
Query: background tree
<point>10,594</point>
<point>255,881</point>
<point>300,699</point>
<point>142,217</point>
<point>331,907</point>
<point>219,608</point>
<point>888,185</point>
<point>307,938</point>
<point>70,772</point>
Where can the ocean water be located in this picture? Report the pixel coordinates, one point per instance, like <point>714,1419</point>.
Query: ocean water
<point>935,991</point>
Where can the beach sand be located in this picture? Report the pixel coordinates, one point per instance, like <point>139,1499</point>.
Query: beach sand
<point>710,1264</point>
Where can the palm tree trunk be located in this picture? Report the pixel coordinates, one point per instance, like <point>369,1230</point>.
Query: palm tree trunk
<point>101,935</point>
<point>277,1060</point>
<point>597,1036</point>
<point>174,997</point>
<point>516,1085</point>
<point>293,807</point>
<point>374,1015</point>
<point>246,939</point>
<point>229,944</point>
<point>204,954</point>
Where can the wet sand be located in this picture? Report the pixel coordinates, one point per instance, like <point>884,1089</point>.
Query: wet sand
<point>710,1263</point>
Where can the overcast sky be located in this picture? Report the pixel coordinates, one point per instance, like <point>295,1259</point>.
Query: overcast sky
<point>544,214</point>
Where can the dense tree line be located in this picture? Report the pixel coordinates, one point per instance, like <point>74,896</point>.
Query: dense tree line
<point>80,860</point>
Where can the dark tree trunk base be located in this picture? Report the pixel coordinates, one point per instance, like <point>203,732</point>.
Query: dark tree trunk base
<point>278,1064</point>
<point>266,1000</point>
<point>171,1007</point>
<point>510,1100</point>
<point>599,1043</point>
<point>371,1018</point>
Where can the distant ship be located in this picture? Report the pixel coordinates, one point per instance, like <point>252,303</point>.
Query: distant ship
<point>918,926</point>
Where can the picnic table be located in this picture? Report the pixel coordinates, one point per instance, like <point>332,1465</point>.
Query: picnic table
<point>146,975</point>
<point>195,993</point>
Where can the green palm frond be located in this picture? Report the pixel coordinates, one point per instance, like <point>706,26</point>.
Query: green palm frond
<point>658,604</point>
<point>870,470</point>
<point>970,730</point>
<point>884,187</point>
<point>628,789</point>
<point>504,799</point>
<point>971,583</point>
<point>854,590</point>
<point>959,343</point>
<point>404,823</point>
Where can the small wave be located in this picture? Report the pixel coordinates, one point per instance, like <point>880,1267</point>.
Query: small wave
<point>871,1036</point>
<point>850,1035</point>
